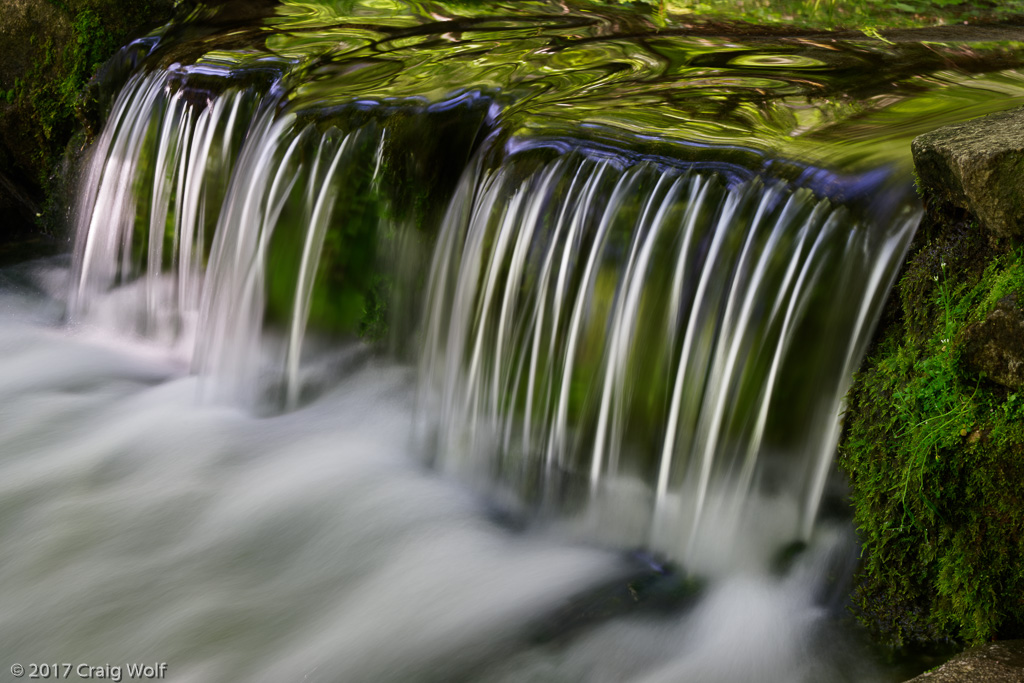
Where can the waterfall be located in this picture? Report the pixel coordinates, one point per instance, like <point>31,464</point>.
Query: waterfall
<point>656,347</point>
<point>460,341</point>
<point>152,196</point>
<point>186,193</point>
<point>663,347</point>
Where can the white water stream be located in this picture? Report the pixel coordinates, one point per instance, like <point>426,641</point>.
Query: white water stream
<point>140,524</point>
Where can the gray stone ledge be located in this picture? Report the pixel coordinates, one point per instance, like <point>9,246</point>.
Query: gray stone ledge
<point>999,662</point>
<point>979,166</point>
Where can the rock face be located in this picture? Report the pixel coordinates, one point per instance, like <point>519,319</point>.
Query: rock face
<point>979,166</point>
<point>1000,662</point>
<point>25,26</point>
<point>934,454</point>
<point>19,22</point>
<point>995,346</point>
<point>48,51</point>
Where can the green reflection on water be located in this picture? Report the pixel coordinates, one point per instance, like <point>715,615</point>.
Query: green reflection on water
<point>792,61</point>
<point>842,99</point>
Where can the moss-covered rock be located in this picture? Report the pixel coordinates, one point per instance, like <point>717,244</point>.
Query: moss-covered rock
<point>48,51</point>
<point>994,347</point>
<point>935,448</point>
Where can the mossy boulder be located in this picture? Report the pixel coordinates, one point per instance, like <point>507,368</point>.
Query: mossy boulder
<point>933,441</point>
<point>48,51</point>
<point>978,166</point>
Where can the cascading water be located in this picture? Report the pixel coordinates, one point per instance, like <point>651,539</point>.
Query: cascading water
<point>186,193</point>
<point>619,327</point>
<point>624,280</point>
<point>151,200</point>
<point>636,330</point>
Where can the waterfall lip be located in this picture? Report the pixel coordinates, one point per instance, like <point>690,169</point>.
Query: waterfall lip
<point>387,106</point>
<point>270,68</point>
<point>879,187</point>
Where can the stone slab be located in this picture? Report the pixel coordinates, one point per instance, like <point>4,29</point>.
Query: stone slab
<point>998,662</point>
<point>978,165</point>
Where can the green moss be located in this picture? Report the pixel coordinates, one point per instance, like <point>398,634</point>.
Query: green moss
<point>50,90</point>
<point>935,455</point>
<point>44,102</point>
<point>350,293</point>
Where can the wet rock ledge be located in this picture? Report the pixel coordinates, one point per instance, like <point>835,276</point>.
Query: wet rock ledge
<point>977,166</point>
<point>1001,662</point>
<point>933,438</point>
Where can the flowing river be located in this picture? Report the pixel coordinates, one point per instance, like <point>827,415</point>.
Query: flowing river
<point>401,343</point>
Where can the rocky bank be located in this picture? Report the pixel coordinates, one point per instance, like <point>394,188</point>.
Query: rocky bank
<point>933,440</point>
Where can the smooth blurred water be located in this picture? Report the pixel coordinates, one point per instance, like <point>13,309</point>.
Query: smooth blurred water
<point>142,525</point>
<point>655,345</point>
<point>270,170</point>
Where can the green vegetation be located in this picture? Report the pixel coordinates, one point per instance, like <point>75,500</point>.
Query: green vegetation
<point>52,89</point>
<point>935,455</point>
<point>54,47</point>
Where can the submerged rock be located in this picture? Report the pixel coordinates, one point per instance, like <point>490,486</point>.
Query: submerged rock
<point>995,346</point>
<point>979,166</point>
<point>1000,662</point>
<point>648,588</point>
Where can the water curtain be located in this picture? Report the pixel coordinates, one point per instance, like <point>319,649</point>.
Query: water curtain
<point>653,346</point>
<point>213,208</point>
<point>659,347</point>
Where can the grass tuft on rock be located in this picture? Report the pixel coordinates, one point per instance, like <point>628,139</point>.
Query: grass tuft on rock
<point>935,454</point>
